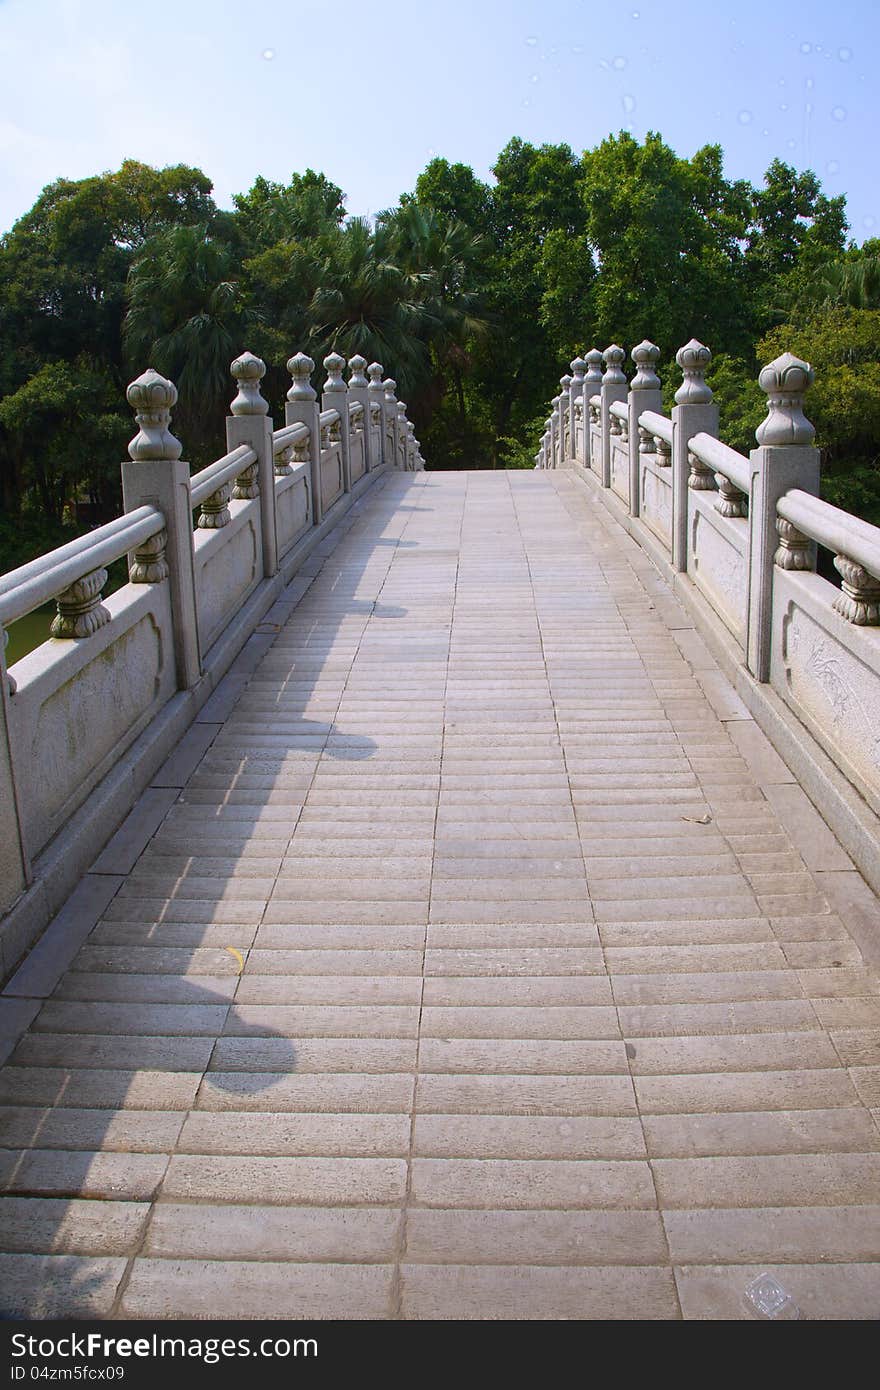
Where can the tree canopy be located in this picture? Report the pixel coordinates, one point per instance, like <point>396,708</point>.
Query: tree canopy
<point>473,294</point>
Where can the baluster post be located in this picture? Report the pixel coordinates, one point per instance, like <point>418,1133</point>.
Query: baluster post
<point>613,388</point>
<point>335,397</point>
<point>644,394</point>
<point>302,409</point>
<point>358,393</point>
<point>155,475</point>
<point>376,397</point>
<point>576,395</point>
<point>402,449</point>
<point>249,423</point>
<point>389,419</point>
<point>565,448</point>
<point>554,433</point>
<point>694,412</point>
<point>785,459</point>
<point>15,869</point>
<point>592,387</point>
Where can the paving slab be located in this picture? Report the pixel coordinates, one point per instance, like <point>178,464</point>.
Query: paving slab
<point>474,955</point>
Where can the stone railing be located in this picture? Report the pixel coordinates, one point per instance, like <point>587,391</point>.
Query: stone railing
<point>738,537</point>
<point>88,717</point>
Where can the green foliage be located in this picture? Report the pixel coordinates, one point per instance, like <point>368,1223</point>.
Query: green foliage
<point>271,212</point>
<point>188,318</point>
<point>843,347</point>
<point>742,404</point>
<point>71,410</point>
<point>474,295</point>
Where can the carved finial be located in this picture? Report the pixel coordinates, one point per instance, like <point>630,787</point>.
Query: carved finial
<point>356,367</point>
<point>645,356</point>
<point>301,368</point>
<point>594,369</point>
<point>389,386</point>
<point>613,356</point>
<point>785,382</point>
<point>565,383</point>
<point>151,398</point>
<point>376,373</point>
<point>333,365</point>
<point>248,372</point>
<point>694,359</point>
<point>578,367</point>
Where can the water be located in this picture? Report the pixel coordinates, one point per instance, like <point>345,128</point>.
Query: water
<point>29,632</point>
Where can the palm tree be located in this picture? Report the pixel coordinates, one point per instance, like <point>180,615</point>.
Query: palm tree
<point>187,317</point>
<point>449,260</point>
<point>854,283</point>
<point>367,303</point>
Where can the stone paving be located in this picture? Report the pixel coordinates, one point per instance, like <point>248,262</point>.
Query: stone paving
<point>545,1009</point>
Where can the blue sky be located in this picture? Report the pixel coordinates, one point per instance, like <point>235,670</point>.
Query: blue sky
<point>370,93</point>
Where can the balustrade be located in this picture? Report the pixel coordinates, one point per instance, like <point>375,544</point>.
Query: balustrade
<point>89,715</point>
<point>738,536</point>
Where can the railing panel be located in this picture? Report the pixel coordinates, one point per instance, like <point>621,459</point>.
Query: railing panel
<point>620,466</point>
<point>228,567</point>
<point>655,500</point>
<point>827,671</point>
<point>80,704</point>
<point>293,507</point>
<point>356,451</point>
<point>331,475</point>
<point>717,560</point>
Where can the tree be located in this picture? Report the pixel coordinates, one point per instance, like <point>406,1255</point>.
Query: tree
<point>188,318</point>
<point>271,212</point>
<point>63,273</point>
<point>667,232</point>
<point>843,346</point>
<point>795,230</point>
<point>62,427</point>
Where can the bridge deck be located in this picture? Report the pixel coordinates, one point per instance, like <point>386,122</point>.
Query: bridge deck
<point>544,1010</point>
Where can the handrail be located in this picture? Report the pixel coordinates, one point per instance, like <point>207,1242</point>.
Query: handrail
<point>291,434</point>
<point>722,459</point>
<point>619,410</point>
<point>329,417</point>
<point>355,408</point>
<point>595,400</point>
<point>13,578</point>
<point>833,528</point>
<point>656,424</point>
<point>31,585</point>
<point>216,475</point>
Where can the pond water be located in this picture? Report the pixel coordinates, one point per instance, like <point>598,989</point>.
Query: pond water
<point>29,632</point>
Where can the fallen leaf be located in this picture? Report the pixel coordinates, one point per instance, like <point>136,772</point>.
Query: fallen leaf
<point>238,956</point>
<point>699,820</point>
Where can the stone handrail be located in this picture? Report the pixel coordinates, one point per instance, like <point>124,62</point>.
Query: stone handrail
<point>87,717</point>
<point>31,585</point>
<point>657,425</point>
<point>738,538</point>
<point>833,528</point>
<point>285,438</point>
<point>720,458</point>
<point>225,470</point>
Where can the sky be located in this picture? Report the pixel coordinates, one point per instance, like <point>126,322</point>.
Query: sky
<point>368,94</point>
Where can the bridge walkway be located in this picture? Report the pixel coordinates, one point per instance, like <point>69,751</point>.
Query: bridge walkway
<point>545,1008</point>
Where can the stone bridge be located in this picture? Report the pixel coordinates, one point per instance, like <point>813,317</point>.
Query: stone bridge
<point>453,893</point>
